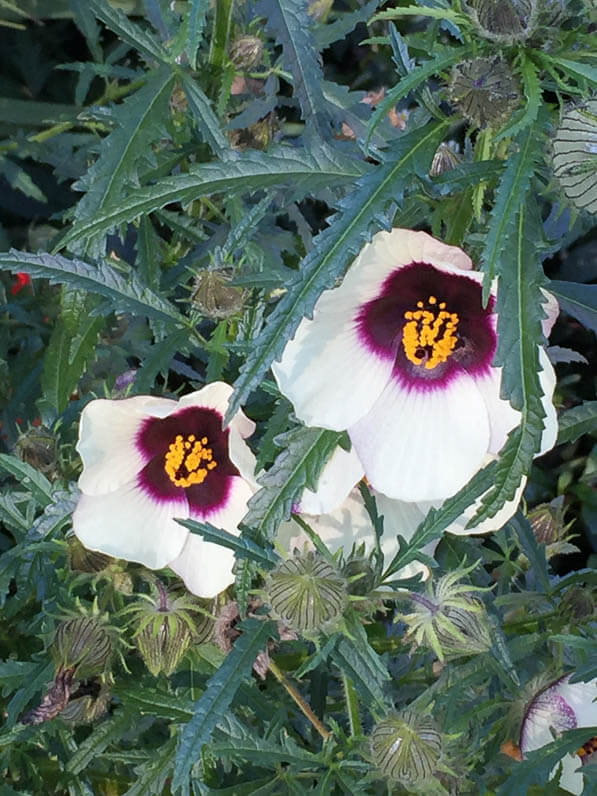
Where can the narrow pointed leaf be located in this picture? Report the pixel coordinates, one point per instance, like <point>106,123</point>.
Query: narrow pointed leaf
<point>577,300</point>
<point>243,547</point>
<point>577,421</point>
<point>205,118</point>
<point>127,31</point>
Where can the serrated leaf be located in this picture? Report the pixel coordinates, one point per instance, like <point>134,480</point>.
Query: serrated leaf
<point>303,171</point>
<point>109,731</point>
<point>36,681</point>
<point>577,300</point>
<point>334,247</point>
<point>532,90</point>
<point>358,660</point>
<point>576,69</point>
<point>207,122</point>
<point>243,547</point>
<point>127,31</point>
<point>266,753</point>
<point>577,421</point>
<point>149,701</point>
<point>150,777</point>
<point>520,336</point>
<point>20,180</point>
<point>159,359</point>
<point>218,695</point>
<point>197,15</point>
<point>70,349</point>
<point>139,123</point>
<point>304,452</point>
<point>409,83</point>
<point>290,24</point>
<point>28,477</point>
<point>126,294</point>
<point>468,175</point>
<point>345,23</point>
<point>532,550</point>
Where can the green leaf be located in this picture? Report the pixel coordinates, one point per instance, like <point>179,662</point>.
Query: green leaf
<point>520,336</point>
<point>303,171</point>
<point>150,777</point>
<point>410,82</point>
<point>197,14</point>
<point>109,731</point>
<point>140,122</point>
<point>266,753</point>
<point>358,660</point>
<point>148,701</point>
<point>304,451</point>
<point>31,686</point>
<point>345,23</point>
<point>532,550</point>
<point>18,179</point>
<point>127,31</point>
<point>333,248</point>
<point>159,359</point>
<point>25,113</point>
<point>576,69</point>
<point>70,349</point>
<point>86,23</point>
<point>218,695</point>
<point>204,116</point>
<point>28,477</point>
<point>577,300</point>
<point>423,11</point>
<point>243,547</point>
<point>468,174</point>
<point>577,421</point>
<point>290,24</point>
<point>126,293</point>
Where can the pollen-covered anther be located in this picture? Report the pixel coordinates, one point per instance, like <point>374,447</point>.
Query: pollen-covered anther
<point>429,336</point>
<point>184,459</point>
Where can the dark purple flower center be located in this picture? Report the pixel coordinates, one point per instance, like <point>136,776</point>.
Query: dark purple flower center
<point>431,323</point>
<point>187,459</point>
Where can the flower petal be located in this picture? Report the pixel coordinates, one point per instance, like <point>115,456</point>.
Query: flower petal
<point>217,396</point>
<point>205,568</point>
<point>419,446</point>
<point>128,523</point>
<point>581,698</point>
<point>547,379</point>
<point>107,440</point>
<point>337,478</point>
<point>502,417</point>
<point>458,527</point>
<point>242,457</point>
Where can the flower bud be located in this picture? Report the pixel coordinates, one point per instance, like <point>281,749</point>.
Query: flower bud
<point>82,644</point>
<point>577,603</point>
<point>81,559</point>
<point>306,592</point>
<point>484,90</point>
<point>445,159</point>
<point>465,631</point>
<point>359,575</point>
<point>89,701</point>
<point>246,52</point>
<point>547,520</point>
<point>503,21</point>
<point>406,748</point>
<point>215,298</point>
<point>37,447</point>
<point>163,642</point>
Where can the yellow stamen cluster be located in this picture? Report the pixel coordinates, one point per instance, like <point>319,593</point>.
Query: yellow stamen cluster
<point>429,337</point>
<point>183,460</point>
<point>587,749</point>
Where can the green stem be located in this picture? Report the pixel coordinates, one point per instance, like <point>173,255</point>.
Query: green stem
<point>221,31</point>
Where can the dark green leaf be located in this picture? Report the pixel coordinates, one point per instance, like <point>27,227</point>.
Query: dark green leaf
<point>577,300</point>
<point>197,15</point>
<point>106,733</point>
<point>532,550</point>
<point>358,660</point>
<point>336,246</point>
<point>127,294</point>
<point>150,777</point>
<point>577,421</point>
<point>127,31</point>
<point>28,477</point>
<point>205,118</point>
<point>219,693</point>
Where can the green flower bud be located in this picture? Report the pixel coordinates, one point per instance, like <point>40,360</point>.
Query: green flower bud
<point>359,575</point>
<point>406,748</point>
<point>81,559</point>
<point>484,90</point>
<point>550,528</point>
<point>215,298</point>
<point>82,644</point>
<point>445,159</point>
<point>246,52</point>
<point>448,618</point>
<point>306,593</point>
<point>163,642</point>
<point>503,21</point>
<point>37,447</point>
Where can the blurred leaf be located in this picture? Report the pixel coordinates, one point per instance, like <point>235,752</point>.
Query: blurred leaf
<point>127,294</point>
<point>577,300</point>
<point>219,693</point>
<point>359,214</point>
<point>197,14</point>
<point>577,421</point>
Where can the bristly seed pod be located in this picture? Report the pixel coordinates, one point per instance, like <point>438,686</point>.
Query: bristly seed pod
<point>406,748</point>
<point>485,90</point>
<point>246,52</point>
<point>215,297</point>
<point>163,642</point>
<point>503,21</point>
<point>82,644</point>
<point>306,592</point>
<point>37,447</point>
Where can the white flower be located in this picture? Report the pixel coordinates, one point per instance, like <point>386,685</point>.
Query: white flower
<point>562,706</point>
<point>147,460</point>
<point>400,356</point>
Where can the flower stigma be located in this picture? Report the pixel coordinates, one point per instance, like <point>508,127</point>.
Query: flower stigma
<point>183,460</point>
<point>430,336</point>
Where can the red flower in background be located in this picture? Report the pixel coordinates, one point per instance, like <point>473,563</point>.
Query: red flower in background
<point>22,281</point>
